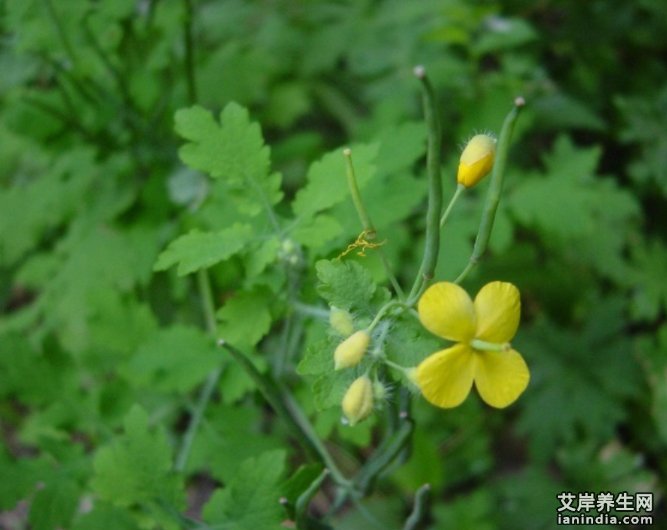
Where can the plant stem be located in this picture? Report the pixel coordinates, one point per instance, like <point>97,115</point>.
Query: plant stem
<point>452,202</point>
<point>189,52</point>
<point>430,258</point>
<point>365,219</point>
<point>383,456</point>
<point>202,402</point>
<point>206,294</point>
<point>356,195</point>
<point>381,313</point>
<point>311,310</point>
<point>495,189</point>
<point>302,503</point>
<point>206,393</point>
<point>286,407</point>
<point>420,509</point>
<point>308,431</point>
<point>62,34</point>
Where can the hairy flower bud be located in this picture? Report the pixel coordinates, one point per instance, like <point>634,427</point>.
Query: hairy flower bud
<point>358,400</point>
<point>351,350</point>
<point>476,160</point>
<point>341,321</point>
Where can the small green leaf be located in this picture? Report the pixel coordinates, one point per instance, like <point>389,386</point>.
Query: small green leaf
<point>317,231</point>
<point>245,318</point>
<point>329,389</point>
<point>345,284</point>
<point>174,359</point>
<point>251,499</point>
<point>199,250</point>
<point>104,515</point>
<point>409,343</point>
<point>135,468</point>
<point>233,150</point>
<point>327,181</point>
<point>54,505</point>
<point>318,358</point>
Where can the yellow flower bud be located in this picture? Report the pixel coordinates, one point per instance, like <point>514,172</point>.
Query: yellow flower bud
<point>358,400</point>
<point>341,321</point>
<point>351,350</point>
<point>476,160</point>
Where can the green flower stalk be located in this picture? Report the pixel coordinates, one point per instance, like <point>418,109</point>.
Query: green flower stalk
<point>495,188</point>
<point>430,258</point>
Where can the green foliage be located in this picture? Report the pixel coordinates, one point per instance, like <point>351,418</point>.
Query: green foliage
<point>595,357</point>
<point>250,499</point>
<point>197,250</point>
<point>233,150</point>
<point>345,284</point>
<point>135,469</point>
<point>174,359</point>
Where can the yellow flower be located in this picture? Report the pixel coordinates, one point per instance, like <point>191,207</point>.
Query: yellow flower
<point>483,355</point>
<point>476,160</point>
<point>358,400</point>
<point>351,350</point>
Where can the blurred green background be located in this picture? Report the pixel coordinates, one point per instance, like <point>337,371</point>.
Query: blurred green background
<point>91,190</point>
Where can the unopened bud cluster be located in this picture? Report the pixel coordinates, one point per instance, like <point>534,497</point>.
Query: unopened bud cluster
<point>358,401</point>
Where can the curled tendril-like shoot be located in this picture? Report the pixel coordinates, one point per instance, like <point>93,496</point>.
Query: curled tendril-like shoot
<point>363,242</point>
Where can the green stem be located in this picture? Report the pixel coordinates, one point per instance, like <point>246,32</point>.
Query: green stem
<point>308,431</point>
<point>189,52</point>
<point>430,258</point>
<point>395,366</point>
<point>198,414</point>
<point>311,310</point>
<point>337,104</point>
<point>303,502</point>
<point>356,195</point>
<point>420,509</point>
<point>365,219</point>
<point>383,456</point>
<point>283,354</point>
<point>382,312</point>
<point>284,405</point>
<point>208,389</point>
<point>60,30</point>
<point>206,295</point>
<point>495,189</point>
<point>452,202</point>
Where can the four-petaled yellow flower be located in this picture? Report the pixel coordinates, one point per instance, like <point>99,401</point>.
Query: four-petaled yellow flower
<point>483,355</point>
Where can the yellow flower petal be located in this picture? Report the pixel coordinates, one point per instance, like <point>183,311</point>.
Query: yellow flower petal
<point>445,378</point>
<point>500,377</point>
<point>498,309</point>
<point>446,310</point>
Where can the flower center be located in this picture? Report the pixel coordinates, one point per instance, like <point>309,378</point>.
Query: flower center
<point>482,345</point>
